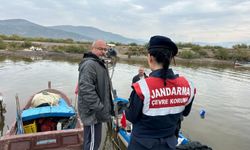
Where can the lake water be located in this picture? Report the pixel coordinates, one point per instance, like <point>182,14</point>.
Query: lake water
<point>223,93</point>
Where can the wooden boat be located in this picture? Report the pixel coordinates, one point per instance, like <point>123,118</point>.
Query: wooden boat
<point>242,64</point>
<point>68,134</point>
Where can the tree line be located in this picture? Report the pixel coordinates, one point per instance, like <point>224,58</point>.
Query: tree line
<point>239,52</point>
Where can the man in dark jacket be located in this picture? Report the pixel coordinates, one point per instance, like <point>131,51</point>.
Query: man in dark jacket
<point>141,74</point>
<point>94,98</point>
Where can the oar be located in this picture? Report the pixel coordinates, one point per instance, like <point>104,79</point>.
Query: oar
<point>19,117</point>
<point>76,95</point>
<point>75,105</point>
<point>1,104</point>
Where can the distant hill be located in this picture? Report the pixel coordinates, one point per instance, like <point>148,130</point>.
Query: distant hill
<point>79,33</point>
<point>29,29</point>
<point>95,33</point>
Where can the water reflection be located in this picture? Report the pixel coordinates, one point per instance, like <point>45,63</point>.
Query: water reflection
<point>223,92</point>
<point>2,112</point>
<point>76,58</point>
<point>70,59</point>
<point>15,58</point>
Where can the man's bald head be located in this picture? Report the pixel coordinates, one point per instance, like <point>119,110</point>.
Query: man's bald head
<point>99,48</point>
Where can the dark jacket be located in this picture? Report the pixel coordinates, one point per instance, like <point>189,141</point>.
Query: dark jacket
<point>137,77</point>
<point>160,126</point>
<point>94,97</point>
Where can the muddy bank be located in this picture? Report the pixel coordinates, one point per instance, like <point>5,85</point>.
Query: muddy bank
<point>39,55</point>
<point>36,55</point>
<point>27,54</point>
<point>184,62</point>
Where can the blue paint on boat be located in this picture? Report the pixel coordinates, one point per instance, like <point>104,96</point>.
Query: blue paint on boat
<point>61,110</point>
<point>125,135</point>
<point>182,140</point>
<point>119,99</point>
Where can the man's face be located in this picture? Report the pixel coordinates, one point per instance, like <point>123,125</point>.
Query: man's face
<point>141,71</point>
<point>99,48</point>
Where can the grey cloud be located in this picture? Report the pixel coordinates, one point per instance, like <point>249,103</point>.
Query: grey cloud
<point>190,20</point>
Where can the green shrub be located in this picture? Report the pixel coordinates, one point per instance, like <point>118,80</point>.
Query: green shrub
<point>240,46</point>
<point>188,54</point>
<point>2,44</point>
<point>69,49</point>
<point>15,37</point>
<point>132,44</point>
<point>202,52</point>
<point>75,49</point>
<point>26,44</point>
<point>14,46</point>
<point>146,46</point>
<point>241,55</point>
<point>3,37</point>
<point>196,48</point>
<point>182,45</point>
<point>222,54</point>
<point>132,50</point>
<point>142,51</point>
<point>136,50</point>
<point>218,47</point>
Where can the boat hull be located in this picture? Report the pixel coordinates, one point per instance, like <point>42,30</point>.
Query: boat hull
<point>64,140</point>
<point>68,139</point>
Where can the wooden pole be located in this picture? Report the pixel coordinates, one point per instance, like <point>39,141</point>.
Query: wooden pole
<point>1,104</point>
<point>49,85</point>
<point>19,117</point>
<point>1,107</point>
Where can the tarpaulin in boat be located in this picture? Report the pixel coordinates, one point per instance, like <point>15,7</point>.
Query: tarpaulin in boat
<point>60,110</point>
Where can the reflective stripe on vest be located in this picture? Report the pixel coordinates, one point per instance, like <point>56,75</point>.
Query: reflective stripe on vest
<point>161,100</point>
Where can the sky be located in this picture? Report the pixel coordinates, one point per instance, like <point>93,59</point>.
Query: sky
<point>211,21</point>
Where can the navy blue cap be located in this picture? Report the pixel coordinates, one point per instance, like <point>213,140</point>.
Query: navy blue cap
<point>162,42</point>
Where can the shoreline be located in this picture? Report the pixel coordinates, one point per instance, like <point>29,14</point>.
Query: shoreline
<point>39,55</point>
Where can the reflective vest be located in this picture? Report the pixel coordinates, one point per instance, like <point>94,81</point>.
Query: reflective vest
<point>159,100</point>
